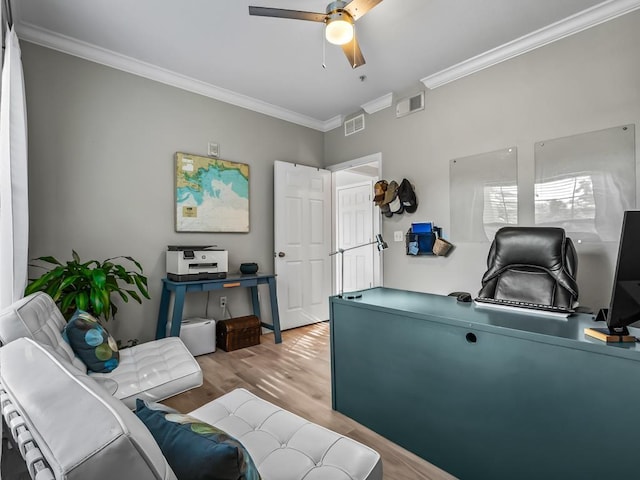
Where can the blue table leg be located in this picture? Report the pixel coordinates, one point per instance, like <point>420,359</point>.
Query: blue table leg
<point>255,302</point>
<point>274,310</point>
<point>161,327</point>
<point>176,318</point>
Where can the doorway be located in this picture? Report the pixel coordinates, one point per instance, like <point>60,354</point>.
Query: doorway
<point>356,221</point>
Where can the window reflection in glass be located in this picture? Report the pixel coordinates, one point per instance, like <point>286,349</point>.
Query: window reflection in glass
<point>483,194</point>
<point>500,208</point>
<point>584,183</point>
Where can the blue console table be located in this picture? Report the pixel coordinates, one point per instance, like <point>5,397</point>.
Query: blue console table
<point>232,281</point>
<point>486,394</point>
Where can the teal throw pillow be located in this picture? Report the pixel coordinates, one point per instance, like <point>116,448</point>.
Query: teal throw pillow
<point>91,342</point>
<point>196,450</point>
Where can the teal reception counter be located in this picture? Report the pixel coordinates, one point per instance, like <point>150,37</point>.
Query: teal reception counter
<point>487,394</point>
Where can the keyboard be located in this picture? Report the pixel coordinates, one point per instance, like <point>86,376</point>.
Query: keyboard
<point>532,307</point>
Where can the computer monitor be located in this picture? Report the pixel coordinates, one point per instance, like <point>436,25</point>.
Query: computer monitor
<point>624,308</point>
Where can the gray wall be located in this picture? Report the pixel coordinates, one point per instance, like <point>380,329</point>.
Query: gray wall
<point>586,82</point>
<point>101,172</point>
<point>102,144</point>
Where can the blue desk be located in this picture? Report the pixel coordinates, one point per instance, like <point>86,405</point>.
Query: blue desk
<point>232,281</point>
<point>486,394</point>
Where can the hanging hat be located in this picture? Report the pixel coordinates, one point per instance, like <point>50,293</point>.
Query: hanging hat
<point>391,192</point>
<point>407,196</point>
<point>391,198</point>
<point>379,191</point>
<point>384,208</point>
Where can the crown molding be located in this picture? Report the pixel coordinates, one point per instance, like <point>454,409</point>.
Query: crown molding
<point>332,123</point>
<point>378,104</point>
<point>576,23</point>
<point>74,47</point>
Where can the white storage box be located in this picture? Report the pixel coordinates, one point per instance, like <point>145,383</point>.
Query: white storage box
<point>199,335</point>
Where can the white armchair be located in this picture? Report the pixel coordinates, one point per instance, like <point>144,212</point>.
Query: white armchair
<point>152,371</point>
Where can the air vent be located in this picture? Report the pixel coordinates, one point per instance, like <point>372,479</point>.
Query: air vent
<point>354,125</point>
<point>409,105</point>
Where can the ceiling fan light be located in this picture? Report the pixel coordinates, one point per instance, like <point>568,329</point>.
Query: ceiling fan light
<point>339,31</point>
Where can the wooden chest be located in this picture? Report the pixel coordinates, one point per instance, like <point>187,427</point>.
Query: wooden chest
<point>236,333</point>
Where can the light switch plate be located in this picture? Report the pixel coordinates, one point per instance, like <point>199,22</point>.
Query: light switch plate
<point>214,149</point>
<point>398,236</point>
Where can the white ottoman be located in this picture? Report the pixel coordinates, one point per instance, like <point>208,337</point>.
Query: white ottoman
<point>285,446</point>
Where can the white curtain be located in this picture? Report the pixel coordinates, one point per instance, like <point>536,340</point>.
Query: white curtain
<point>14,214</point>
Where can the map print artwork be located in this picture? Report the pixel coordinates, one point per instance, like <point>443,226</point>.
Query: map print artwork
<point>212,195</point>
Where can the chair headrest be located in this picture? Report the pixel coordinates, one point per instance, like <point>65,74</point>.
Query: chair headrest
<point>543,247</point>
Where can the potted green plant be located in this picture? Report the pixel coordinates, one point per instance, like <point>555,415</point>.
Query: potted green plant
<point>89,285</point>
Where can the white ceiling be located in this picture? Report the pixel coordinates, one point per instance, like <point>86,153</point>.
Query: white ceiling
<point>274,65</point>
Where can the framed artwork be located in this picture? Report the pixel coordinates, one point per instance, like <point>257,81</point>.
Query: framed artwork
<point>212,195</point>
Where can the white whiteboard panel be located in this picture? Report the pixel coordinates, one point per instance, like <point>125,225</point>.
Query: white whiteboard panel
<point>483,194</point>
<point>584,183</point>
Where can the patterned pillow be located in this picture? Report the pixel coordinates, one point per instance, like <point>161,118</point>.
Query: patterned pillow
<point>91,342</point>
<point>196,450</point>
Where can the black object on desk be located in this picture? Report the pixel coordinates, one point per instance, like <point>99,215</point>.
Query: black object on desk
<point>248,268</point>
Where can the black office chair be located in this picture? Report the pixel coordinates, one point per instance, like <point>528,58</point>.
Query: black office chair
<point>532,264</point>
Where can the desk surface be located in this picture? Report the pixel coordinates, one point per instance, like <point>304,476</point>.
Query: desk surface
<point>524,325</point>
<point>260,277</point>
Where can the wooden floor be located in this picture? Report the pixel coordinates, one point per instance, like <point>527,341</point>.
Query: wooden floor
<point>296,376</point>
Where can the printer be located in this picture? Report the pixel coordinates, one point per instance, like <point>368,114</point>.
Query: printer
<point>189,263</point>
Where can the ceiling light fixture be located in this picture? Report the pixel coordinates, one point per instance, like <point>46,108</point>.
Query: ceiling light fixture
<point>339,20</point>
<point>339,30</point>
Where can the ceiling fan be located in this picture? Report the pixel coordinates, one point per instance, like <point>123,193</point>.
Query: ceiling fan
<point>339,19</point>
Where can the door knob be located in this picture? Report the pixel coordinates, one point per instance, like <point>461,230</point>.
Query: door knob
<point>281,254</point>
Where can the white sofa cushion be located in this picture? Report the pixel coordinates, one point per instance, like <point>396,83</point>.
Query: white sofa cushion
<point>285,446</point>
<point>154,371</point>
<point>81,430</point>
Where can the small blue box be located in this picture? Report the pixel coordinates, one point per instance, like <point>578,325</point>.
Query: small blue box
<point>423,227</point>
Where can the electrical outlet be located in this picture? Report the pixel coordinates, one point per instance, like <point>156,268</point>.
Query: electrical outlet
<point>398,236</point>
<point>223,302</point>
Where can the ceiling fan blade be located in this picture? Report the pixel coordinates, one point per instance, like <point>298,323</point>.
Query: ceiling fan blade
<point>284,13</point>
<point>358,8</point>
<point>353,53</point>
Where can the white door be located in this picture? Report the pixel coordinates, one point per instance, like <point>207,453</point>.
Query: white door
<point>302,231</point>
<point>355,227</point>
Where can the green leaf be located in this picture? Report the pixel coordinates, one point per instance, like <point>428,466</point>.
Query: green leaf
<point>68,302</point>
<point>76,257</point>
<point>54,291</point>
<point>38,284</point>
<point>106,300</point>
<point>99,278</point>
<point>141,284</point>
<point>96,302</point>
<point>69,281</point>
<point>135,262</point>
<point>120,271</point>
<point>135,296</point>
<point>58,272</point>
<point>49,259</point>
<point>82,301</point>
